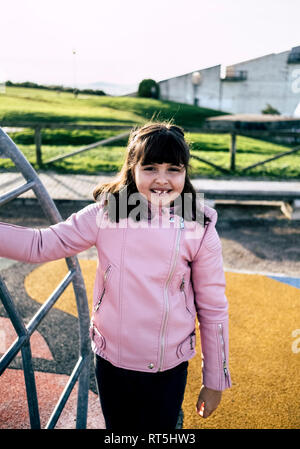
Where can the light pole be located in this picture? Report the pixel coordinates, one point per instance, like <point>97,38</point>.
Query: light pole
<point>74,73</point>
<point>196,80</point>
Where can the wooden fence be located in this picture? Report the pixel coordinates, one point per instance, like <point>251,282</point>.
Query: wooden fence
<point>220,126</point>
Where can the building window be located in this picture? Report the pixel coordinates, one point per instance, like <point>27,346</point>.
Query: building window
<point>294,56</point>
<point>232,74</point>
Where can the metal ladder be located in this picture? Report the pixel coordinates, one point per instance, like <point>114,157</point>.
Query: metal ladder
<point>81,371</point>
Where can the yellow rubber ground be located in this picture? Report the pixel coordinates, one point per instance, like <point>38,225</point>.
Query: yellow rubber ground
<point>264,356</point>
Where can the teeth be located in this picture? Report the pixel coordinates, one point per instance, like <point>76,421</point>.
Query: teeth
<point>160,192</point>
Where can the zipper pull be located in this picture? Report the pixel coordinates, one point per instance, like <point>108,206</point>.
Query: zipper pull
<point>181,223</point>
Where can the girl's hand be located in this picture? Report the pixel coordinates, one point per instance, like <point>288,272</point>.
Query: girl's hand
<point>208,401</point>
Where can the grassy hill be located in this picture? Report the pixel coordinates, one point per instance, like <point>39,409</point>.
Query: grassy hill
<point>36,105</point>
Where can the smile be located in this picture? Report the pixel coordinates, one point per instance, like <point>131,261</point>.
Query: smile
<point>160,192</point>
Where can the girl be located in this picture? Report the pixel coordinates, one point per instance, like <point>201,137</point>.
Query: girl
<point>160,266</point>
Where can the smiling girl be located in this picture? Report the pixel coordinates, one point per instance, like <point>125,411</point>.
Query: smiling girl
<point>151,283</point>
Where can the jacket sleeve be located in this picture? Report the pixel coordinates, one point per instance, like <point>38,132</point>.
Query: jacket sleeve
<point>64,239</point>
<point>212,309</point>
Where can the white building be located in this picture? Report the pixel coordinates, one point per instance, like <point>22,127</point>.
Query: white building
<point>246,87</point>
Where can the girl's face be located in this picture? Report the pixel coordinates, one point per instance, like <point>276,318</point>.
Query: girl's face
<point>160,183</point>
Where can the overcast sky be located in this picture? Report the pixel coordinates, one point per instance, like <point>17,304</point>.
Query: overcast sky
<point>124,41</point>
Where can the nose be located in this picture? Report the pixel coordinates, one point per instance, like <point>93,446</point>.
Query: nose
<point>161,178</point>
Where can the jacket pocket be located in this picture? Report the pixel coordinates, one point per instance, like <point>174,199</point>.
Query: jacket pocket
<point>183,291</point>
<point>187,346</point>
<point>107,275</point>
<point>97,337</point>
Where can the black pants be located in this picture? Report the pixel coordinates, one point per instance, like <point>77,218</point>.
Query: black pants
<point>138,400</point>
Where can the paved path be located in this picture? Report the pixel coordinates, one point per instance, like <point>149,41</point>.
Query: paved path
<point>80,187</point>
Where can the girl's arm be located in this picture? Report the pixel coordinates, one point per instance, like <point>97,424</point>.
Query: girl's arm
<point>212,309</point>
<point>64,239</point>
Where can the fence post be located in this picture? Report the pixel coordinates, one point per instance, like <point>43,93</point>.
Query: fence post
<point>38,146</point>
<point>232,151</point>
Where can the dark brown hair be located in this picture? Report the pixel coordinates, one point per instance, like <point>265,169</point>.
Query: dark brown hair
<point>155,142</point>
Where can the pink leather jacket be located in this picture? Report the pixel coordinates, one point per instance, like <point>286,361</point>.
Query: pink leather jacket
<point>150,285</point>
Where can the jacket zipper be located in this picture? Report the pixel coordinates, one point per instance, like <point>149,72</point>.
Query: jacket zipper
<point>225,369</point>
<point>104,286</point>
<point>191,340</point>
<point>184,293</point>
<point>182,287</point>
<point>166,298</point>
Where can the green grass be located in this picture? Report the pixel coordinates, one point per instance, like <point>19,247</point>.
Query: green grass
<point>48,106</point>
<point>36,105</point>
<point>105,159</point>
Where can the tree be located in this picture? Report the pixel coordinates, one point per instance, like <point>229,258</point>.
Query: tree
<point>148,88</point>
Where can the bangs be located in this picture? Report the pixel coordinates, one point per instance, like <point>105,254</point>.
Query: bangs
<point>162,148</point>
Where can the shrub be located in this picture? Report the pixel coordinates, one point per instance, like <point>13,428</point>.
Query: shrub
<point>270,110</point>
<point>58,88</point>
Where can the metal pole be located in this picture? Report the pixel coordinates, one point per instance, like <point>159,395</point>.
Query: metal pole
<point>10,150</point>
<point>32,399</point>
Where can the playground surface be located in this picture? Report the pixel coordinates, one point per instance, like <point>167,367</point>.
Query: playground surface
<point>261,254</point>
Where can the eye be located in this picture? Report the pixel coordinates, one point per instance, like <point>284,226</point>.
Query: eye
<point>149,168</point>
<point>176,168</point>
